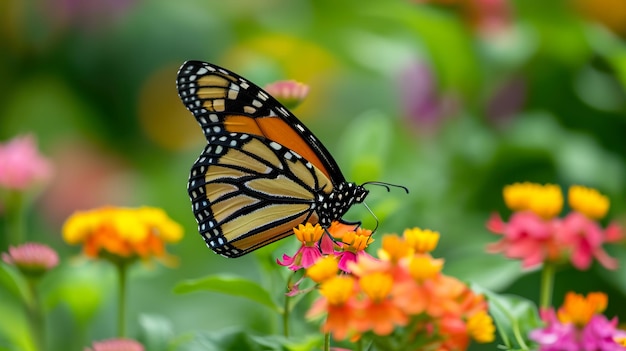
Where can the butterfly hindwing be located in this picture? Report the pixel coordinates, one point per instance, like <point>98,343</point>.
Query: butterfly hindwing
<point>247,193</point>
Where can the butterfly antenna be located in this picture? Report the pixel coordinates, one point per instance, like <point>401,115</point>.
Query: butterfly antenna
<point>388,185</point>
<point>373,215</point>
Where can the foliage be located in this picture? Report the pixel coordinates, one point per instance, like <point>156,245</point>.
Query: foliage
<point>452,99</point>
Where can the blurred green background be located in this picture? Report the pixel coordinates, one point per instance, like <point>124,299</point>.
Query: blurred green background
<point>452,99</point>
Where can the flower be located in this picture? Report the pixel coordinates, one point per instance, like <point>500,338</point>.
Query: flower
<point>21,165</point>
<point>579,310</point>
<point>32,259</point>
<point>480,327</point>
<point>544,200</point>
<point>309,252</point>
<point>289,92</point>
<point>337,303</point>
<point>584,238</point>
<point>527,237</point>
<point>421,241</point>
<point>555,336</point>
<point>402,295</point>
<point>324,269</point>
<point>378,312</point>
<point>122,233</point>
<point>354,244</point>
<point>116,345</point>
<point>579,325</point>
<point>588,201</point>
<point>535,236</point>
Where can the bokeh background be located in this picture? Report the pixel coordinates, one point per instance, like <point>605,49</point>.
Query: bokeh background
<point>452,99</point>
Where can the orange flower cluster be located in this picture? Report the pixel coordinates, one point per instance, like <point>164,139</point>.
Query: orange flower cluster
<point>122,233</point>
<point>403,290</point>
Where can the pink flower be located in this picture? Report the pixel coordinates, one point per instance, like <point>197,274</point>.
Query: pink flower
<point>527,236</point>
<point>21,165</point>
<point>303,258</point>
<point>585,238</point>
<point>555,336</point>
<point>116,345</point>
<point>309,252</point>
<point>32,259</point>
<point>600,334</point>
<point>289,92</point>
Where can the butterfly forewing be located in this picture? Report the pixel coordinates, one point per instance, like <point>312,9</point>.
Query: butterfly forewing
<point>262,172</point>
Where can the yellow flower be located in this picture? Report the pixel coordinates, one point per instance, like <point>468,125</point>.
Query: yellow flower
<point>125,233</point>
<point>338,289</point>
<point>423,267</point>
<point>544,200</point>
<point>588,201</point>
<point>579,309</point>
<point>357,240</point>
<point>323,269</point>
<point>480,327</point>
<point>393,248</point>
<point>309,234</point>
<point>376,285</point>
<point>421,240</point>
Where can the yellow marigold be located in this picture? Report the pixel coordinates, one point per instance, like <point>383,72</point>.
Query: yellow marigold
<point>393,248</point>
<point>421,240</point>
<point>480,327</point>
<point>579,309</point>
<point>309,234</point>
<point>122,232</point>
<point>588,201</point>
<point>423,266</point>
<point>544,200</point>
<point>323,269</point>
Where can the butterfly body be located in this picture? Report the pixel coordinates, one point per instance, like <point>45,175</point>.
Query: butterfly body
<point>262,172</point>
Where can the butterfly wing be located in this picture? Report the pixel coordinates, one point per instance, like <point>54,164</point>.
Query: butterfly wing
<point>262,172</point>
<point>224,102</point>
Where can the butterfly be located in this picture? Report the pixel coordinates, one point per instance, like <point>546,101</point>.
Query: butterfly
<point>262,172</point>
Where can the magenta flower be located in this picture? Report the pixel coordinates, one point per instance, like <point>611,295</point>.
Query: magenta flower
<point>585,238</point>
<point>555,336</point>
<point>526,236</point>
<point>305,257</point>
<point>32,259</point>
<point>595,334</point>
<point>21,165</point>
<point>116,345</point>
<point>600,334</point>
<point>309,252</point>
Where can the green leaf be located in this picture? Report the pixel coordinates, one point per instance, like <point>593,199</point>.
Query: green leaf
<point>157,331</point>
<point>230,285</point>
<point>14,283</point>
<point>514,317</point>
<point>235,339</point>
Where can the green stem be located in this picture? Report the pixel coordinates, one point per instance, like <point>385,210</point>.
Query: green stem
<point>286,316</point>
<point>547,285</point>
<point>15,217</point>
<point>326,341</point>
<point>36,317</point>
<point>121,307</point>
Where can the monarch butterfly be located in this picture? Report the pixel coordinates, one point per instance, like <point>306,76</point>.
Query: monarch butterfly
<point>262,171</point>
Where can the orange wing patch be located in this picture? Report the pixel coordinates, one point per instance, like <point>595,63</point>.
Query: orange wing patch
<point>276,129</point>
